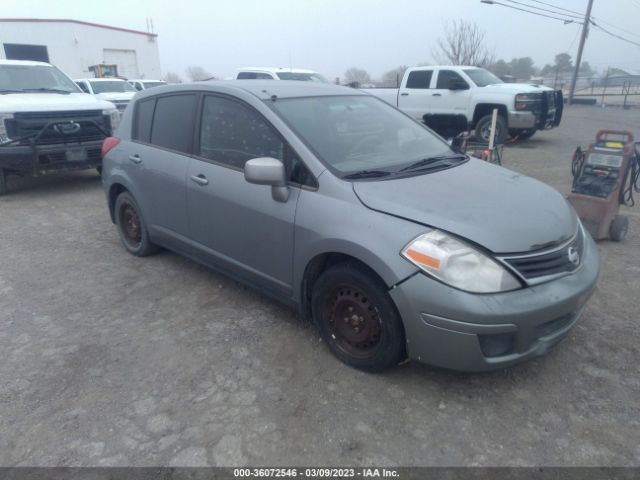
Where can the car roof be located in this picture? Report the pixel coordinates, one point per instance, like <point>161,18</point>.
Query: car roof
<point>108,79</point>
<point>25,62</point>
<point>275,69</point>
<point>263,89</point>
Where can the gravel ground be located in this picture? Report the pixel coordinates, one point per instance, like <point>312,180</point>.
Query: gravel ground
<point>110,359</point>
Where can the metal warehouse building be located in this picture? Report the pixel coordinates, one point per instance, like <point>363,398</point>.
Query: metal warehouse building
<point>75,46</point>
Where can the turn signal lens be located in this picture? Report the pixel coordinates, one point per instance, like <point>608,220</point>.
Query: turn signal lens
<point>108,144</point>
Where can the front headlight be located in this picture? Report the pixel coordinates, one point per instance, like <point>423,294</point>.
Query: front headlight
<point>114,118</point>
<point>526,101</point>
<point>3,127</point>
<point>458,264</point>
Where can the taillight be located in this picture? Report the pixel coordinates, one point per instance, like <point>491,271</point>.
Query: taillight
<point>108,144</point>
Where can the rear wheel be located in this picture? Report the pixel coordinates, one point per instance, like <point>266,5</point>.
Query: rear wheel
<point>618,228</point>
<point>483,129</point>
<point>357,318</point>
<point>131,227</point>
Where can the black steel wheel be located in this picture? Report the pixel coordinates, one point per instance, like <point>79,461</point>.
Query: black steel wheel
<point>357,318</point>
<point>131,227</point>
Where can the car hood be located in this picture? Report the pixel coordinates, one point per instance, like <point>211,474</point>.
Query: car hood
<point>499,209</point>
<point>116,96</point>
<point>515,88</point>
<point>47,102</point>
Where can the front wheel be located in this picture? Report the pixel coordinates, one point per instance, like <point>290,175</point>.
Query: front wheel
<point>131,227</point>
<point>357,318</point>
<point>483,129</point>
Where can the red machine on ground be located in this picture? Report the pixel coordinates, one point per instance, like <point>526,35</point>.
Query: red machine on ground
<point>605,177</point>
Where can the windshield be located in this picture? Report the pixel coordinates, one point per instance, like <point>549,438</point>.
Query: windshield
<point>153,84</point>
<point>30,78</point>
<point>109,86</point>
<point>482,77</point>
<point>356,133</point>
<point>305,77</point>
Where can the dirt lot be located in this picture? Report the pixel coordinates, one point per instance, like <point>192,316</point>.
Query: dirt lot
<point>109,359</point>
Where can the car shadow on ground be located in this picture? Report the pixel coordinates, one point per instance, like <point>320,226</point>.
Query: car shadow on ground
<point>51,184</point>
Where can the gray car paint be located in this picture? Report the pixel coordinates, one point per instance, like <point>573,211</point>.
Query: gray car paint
<point>497,208</point>
<point>471,201</point>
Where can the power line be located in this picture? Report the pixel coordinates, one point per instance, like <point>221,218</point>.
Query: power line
<point>557,8</point>
<point>545,9</point>
<point>617,28</point>
<point>565,20</point>
<point>598,27</point>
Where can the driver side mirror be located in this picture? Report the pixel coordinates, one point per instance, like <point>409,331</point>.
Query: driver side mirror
<point>268,171</point>
<point>457,84</point>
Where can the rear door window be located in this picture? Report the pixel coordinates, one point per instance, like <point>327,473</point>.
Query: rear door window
<point>173,122</point>
<point>419,79</point>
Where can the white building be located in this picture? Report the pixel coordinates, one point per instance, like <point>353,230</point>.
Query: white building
<point>74,46</point>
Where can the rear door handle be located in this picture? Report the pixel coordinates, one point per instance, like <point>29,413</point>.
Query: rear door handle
<point>404,94</point>
<point>436,94</point>
<point>200,179</point>
<point>135,158</point>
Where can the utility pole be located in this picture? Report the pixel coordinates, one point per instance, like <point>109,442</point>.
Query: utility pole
<point>583,38</point>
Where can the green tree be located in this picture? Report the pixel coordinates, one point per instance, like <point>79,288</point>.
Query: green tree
<point>500,68</point>
<point>522,68</point>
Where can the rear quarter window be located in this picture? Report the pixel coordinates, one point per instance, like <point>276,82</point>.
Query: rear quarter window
<point>173,119</point>
<point>143,120</point>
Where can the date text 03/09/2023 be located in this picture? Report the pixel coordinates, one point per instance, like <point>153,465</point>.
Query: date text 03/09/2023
<point>322,472</point>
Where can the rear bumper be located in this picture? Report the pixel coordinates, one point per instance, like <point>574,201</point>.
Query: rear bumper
<point>449,328</point>
<point>45,159</point>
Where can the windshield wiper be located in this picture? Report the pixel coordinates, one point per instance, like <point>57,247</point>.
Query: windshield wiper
<point>11,90</point>
<point>48,90</point>
<point>367,174</point>
<point>433,162</point>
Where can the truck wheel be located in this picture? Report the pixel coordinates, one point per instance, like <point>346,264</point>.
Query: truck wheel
<point>483,128</point>
<point>131,227</point>
<point>618,228</point>
<point>3,182</point>
<point>357,318</point>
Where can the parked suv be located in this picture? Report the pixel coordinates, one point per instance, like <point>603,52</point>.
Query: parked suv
<point>338,204</point>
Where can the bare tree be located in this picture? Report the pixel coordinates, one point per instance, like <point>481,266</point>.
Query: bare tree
<point>171,77</point>
<point>393,77</point>
<point>196,73</point>
<point>463,44</point>
<point>357,75</point>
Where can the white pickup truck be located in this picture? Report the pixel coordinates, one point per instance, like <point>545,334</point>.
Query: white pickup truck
<point>47,124</point>
<point>435,94</point>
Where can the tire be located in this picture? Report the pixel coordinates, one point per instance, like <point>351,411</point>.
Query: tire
<point>372,338</point>
<point>525,134</point>
<point>618,228</point>
<point>3,182</point>
<point>484,126</point>
<point>131,227</point>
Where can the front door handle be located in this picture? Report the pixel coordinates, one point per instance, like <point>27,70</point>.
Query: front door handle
<point>404,94</point>
<point>200,179</point>
<point>436,94</point>
<point>135,158</point>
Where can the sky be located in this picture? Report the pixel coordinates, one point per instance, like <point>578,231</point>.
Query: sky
<point>330,36</point>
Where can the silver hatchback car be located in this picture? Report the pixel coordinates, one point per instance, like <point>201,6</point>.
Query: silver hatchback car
<point>357,215</point>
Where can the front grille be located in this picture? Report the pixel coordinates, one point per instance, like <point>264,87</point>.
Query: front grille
<point>30,124</point>
<point>549,262</point>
